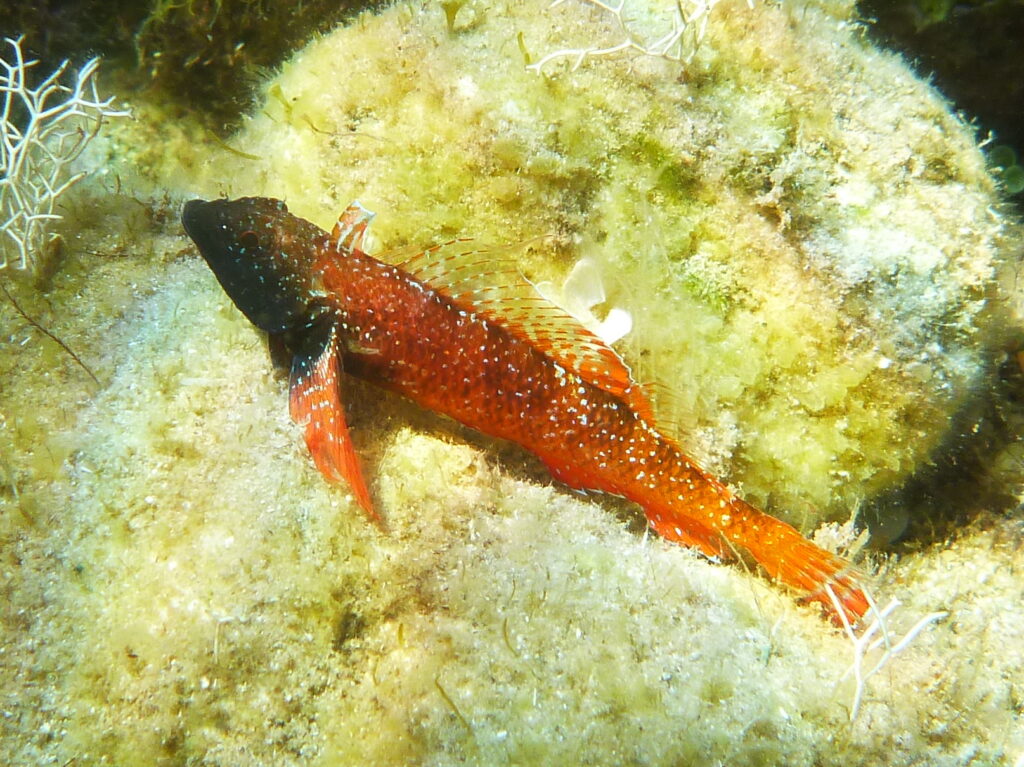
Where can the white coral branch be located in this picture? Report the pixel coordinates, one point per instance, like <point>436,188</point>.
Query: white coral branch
<point>865,643</point>
<point>43,129</point>
<point>678,43</point>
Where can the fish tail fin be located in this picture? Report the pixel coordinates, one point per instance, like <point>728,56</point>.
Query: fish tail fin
<point>315,401</point>
<point>819,575</point>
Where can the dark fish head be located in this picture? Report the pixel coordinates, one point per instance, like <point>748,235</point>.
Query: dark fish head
<point>263,256</point>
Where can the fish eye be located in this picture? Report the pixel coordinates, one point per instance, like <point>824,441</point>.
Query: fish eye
<point>249,240</point>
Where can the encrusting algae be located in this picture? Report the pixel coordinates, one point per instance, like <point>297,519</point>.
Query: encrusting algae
<point>808,245</point>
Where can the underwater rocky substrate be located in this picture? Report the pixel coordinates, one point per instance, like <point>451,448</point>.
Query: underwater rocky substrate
<point>809,245</point>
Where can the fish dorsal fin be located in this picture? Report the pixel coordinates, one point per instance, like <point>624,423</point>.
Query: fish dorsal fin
<point>665,403</point>
<point>348,234</point>
<point>487,282</point>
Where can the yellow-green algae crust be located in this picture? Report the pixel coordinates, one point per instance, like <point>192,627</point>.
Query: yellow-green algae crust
<point>180,586</point>
<point>188,590</point>
<point>801,228</point>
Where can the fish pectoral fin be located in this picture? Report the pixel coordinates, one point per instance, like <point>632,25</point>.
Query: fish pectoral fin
<point>349,232</point>
<point>315,402</point>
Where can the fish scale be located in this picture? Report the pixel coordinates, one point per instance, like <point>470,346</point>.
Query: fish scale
<point>455,331</point>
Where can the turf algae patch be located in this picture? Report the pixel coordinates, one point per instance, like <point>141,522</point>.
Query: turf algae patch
<point>800,267</point>
<point>199,594</point>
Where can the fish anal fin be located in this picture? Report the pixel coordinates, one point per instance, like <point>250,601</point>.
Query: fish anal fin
<point>487,283</point>
<point>315,403</point>
<point>350,231</point>
<point>689,532</point>
<point>568,474</point>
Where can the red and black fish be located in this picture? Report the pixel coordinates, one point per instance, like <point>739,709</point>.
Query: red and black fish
<point>460,333</point>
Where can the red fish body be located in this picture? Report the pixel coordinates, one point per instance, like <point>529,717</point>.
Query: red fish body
<point>457,334</point>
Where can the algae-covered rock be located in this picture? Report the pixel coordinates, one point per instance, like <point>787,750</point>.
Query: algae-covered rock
<point>802,230</point>
<point>190,590</point>
<point>806,240</point>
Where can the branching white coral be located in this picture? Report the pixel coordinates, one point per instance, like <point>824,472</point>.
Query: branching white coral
<point>864,644</point>
<point>43,129</point>
<point>689,20</point>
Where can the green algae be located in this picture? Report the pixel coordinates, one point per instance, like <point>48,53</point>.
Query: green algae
<point>192,591</point>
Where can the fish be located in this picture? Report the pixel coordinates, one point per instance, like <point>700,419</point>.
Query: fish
<point>456,329</point>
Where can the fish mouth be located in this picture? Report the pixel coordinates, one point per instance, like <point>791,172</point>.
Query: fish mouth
<point>204,222</point>
<point>197,219</point>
